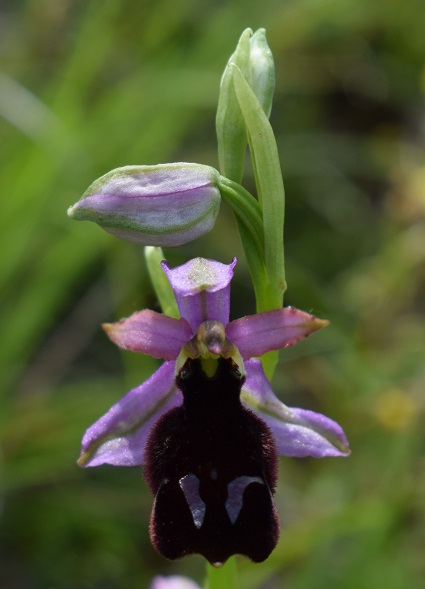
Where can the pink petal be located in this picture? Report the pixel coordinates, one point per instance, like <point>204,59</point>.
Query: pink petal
<point>255,335</point>
<point>150,333</point>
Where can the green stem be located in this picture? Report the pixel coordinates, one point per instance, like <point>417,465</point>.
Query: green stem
<point>265,298</point>
<point>246,208</point>
<point>222,578</point>
<point>257,268</point>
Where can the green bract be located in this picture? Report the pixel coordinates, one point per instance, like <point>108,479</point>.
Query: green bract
<point>255,61</point>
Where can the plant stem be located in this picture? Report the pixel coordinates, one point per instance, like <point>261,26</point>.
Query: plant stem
<point>223,577</point>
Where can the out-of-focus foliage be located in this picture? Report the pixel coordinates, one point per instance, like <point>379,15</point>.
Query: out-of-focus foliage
<point>87,86</point>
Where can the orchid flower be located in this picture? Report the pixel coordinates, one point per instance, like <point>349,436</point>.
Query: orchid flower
<point>202,291</point>
<point>206,425</point>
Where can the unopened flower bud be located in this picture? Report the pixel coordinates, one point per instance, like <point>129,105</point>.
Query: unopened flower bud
<point>255,61</point>
<point>262,70</point>
<point>162,205</point>
<point>230,126</point>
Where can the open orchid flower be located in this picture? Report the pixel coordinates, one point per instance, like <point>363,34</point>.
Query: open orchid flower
<point>206,425</point>
<point>202,290</point>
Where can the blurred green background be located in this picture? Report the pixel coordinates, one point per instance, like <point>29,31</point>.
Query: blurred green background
<point>87,86</point>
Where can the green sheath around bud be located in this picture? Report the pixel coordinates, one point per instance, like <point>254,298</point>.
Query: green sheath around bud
<point>254,59</point>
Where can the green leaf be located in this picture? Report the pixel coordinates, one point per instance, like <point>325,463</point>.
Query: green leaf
<point>269,183</point>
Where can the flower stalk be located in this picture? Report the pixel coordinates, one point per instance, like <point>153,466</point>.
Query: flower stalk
<point>224,577</point>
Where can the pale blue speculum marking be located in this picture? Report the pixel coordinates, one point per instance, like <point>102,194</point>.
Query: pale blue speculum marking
<point>235,491</point>
<point>189,484</point>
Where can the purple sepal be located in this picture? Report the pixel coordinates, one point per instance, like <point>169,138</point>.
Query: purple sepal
<point>119,437</point>
<point>313,434</point>
<point>298,432</point>
<point>202,289</point>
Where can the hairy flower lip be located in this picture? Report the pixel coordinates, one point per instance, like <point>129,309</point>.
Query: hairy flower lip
<point>202,291</point>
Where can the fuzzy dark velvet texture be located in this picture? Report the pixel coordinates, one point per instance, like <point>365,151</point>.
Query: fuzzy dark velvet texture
<point>213,438</point>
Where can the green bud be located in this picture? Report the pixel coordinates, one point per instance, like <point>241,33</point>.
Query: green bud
<point>254,59</point>
<point>230,126</point>
<point>262,70</point>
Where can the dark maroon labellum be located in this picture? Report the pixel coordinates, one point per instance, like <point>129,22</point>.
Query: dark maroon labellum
<point>212,466</point>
